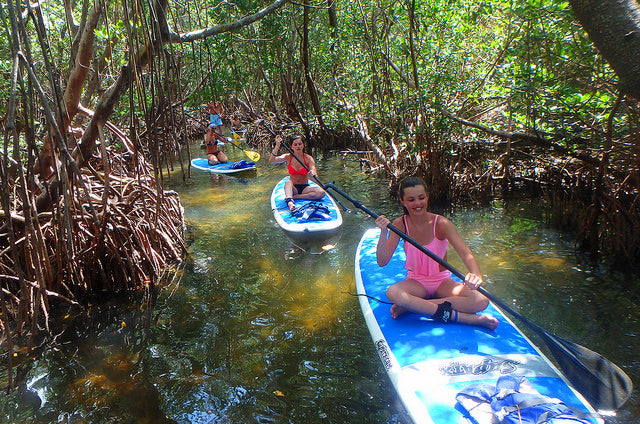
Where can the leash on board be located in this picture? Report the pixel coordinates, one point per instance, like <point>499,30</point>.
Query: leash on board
<point>370,297</point>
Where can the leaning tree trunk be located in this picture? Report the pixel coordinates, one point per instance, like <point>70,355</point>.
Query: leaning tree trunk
<point>614,28</point>
<point>311,87</point>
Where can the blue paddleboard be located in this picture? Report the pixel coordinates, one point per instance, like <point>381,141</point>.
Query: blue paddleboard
<point>315,227</point>
<point>297,224</point>
<point>429,363</point>
<point>223,168</point>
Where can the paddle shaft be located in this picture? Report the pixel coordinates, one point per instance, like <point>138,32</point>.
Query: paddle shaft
<point>246,152</point>
<point>250,154</point>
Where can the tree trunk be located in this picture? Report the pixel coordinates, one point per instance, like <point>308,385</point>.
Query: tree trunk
<point>614,28</point>
<point>98,69</point>
<point>83,63</point>
<point>311,87</point>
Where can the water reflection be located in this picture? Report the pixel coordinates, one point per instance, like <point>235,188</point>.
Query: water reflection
<point>257,330</point>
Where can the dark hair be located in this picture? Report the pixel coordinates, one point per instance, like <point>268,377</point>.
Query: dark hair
<point>410,182</point>
<point>295,136</point>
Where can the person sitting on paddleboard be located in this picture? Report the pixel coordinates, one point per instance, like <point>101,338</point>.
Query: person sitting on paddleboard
<point>428,288</point>
<point>297,187</point>
<point>214,154</point>
<point>236,124</point>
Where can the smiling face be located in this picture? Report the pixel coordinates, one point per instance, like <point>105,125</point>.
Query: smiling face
<point>415,199</point>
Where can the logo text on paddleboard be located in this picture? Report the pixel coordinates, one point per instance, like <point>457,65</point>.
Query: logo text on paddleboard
<point>383,352</point>
<point>503,366</point>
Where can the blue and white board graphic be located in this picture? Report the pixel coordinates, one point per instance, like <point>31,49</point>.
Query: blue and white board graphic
<point>294,225</point>
<point>221,168</point>
<point>429,362</point>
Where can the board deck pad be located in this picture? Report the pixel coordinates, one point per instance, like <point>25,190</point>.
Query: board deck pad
<point>429,362</point>
<point>220,168</point>
<point>293,224</point>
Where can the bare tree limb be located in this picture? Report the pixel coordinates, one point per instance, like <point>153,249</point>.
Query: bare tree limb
<point>231,26</point>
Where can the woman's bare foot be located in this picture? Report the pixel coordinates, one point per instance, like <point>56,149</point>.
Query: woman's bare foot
<point>396,311</point>
<point>486,321</point>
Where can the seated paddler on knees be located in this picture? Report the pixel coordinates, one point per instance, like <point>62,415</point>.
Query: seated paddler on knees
<point>301,167</point>
<point>211,139</point>
<point>428,288</point>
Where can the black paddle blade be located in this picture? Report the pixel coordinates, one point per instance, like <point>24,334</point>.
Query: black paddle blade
<point>599,380</point>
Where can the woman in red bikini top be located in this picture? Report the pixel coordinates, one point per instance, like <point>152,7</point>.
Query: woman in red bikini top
<point>301,167</point>
<point>214,154</point>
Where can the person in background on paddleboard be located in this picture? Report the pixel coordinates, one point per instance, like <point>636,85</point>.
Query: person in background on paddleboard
<point>428,288</point>
<point>215,109</point>
<point>211,139</point>
<point>236,124</point>
<point>297,187</point>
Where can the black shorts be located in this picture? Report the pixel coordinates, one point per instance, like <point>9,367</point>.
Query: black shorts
<point>300,187</point>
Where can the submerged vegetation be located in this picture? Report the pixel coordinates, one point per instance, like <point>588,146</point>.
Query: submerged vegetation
<point>101,100</point>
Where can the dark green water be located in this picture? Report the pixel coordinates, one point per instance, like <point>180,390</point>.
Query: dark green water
<point>257,331</point>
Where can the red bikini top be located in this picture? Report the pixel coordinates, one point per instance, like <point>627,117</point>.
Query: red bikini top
<point>301,171</point>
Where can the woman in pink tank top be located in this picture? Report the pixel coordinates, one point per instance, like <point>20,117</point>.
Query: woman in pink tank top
<point>428,288</point>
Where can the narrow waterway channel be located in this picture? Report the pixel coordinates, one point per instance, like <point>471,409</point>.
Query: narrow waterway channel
<point>258,331</point>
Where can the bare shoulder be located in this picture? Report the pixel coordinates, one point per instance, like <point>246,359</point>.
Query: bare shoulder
<point>443,220</point>
<point>399,224</point>
<point>444,228</point>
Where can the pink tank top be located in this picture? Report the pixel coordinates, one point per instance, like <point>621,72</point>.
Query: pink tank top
<point>419,263</point>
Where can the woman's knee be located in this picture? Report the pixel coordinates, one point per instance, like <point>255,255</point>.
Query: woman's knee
<point>395,293</point>
<point>480,301</point>
<point>319,193</point>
